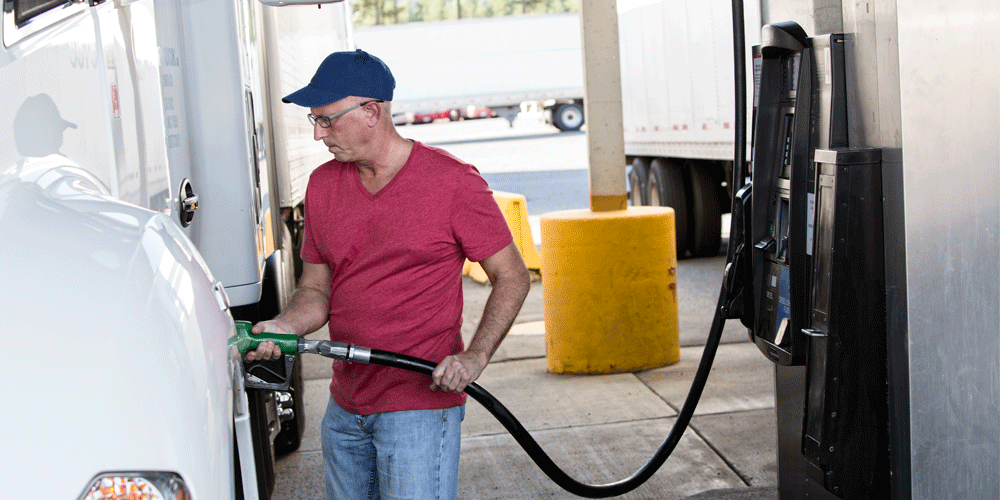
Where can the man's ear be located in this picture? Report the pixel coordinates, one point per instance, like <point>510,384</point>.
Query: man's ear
<point>373,111</point>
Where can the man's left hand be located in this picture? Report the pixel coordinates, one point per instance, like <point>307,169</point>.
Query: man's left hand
<point>456,372</point>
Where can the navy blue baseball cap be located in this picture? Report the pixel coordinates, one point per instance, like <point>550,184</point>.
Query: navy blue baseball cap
<point>343,74</point>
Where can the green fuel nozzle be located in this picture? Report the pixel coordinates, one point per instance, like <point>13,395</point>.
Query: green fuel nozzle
<point>246,341</point>
<point>291,344</point>
<point>267,375</point>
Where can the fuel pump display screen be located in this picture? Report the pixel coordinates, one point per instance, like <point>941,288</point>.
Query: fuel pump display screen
<point>775,322</point>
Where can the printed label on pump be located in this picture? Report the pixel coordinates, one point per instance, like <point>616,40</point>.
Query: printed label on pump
<point>828,68</point>
<point>784,311</point>
<point>810,221</point>
<point>758,61</point>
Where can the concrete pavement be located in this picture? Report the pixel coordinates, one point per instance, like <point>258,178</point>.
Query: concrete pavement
<point>598,428</point>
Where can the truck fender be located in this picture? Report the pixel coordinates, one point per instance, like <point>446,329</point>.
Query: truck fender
<point>134,338</point>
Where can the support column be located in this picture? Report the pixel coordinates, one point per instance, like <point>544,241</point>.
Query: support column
<point>609,273</point>
<point>603,105</point>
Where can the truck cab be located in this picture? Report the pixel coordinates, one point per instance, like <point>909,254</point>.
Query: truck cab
<point>143,210</point>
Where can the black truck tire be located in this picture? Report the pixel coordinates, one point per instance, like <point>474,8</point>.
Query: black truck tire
<point>638,181</point>
<point>666,189</point>
<point>290,436</point>
<point>568,116</point>
<point>276,292</point>
<point>262,449</point>
<point>706,220</point>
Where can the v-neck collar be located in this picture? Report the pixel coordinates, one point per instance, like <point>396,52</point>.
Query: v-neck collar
<point>372,196</point>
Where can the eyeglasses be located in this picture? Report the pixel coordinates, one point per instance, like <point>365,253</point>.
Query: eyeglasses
<point>327,121</point>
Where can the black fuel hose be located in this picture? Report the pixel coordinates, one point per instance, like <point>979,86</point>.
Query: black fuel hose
<point>523,438</point>
<point>521,435</point>
<point>740,84</point>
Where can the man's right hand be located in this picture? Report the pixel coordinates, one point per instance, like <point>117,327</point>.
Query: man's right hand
<point>266,350</point>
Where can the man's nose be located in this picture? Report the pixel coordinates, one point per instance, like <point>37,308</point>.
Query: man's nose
<point>319,132</point>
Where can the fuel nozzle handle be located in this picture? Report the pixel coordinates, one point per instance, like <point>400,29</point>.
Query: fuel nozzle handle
<point>245,340</point>
<point>291,344</point>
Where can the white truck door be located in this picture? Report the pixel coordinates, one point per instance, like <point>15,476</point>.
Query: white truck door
<point>172,66</point>
<point>127,32</point>
<point>223,162</point>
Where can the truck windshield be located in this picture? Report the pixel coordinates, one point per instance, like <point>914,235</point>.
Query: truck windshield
<point>25,10</point>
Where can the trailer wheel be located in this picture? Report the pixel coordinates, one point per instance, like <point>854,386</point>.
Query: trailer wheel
<point>262,449</point>
<point>638,181</point>
<point>290,435</point>
<point>568,117</point>
<point>666,189</point>
<point>706,234</point>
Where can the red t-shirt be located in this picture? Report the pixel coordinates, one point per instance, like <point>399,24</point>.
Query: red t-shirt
<point>396,261</point>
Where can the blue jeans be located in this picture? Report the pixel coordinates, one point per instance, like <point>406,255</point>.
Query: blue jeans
<point>393,455</point>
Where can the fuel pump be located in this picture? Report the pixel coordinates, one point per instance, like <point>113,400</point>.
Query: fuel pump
<point>796,112</point>
<point>813,229</point>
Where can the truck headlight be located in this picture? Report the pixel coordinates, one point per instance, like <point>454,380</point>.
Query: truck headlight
<point>137,486</point>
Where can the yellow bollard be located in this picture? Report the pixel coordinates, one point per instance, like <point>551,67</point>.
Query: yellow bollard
<point>515,212</point>
<point>609,282</point>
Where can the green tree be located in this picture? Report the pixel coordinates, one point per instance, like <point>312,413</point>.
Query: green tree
<point>416,12</point>
<point>378,12</point>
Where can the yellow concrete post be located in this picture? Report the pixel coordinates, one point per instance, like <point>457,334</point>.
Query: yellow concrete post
<point>610,290</point>
<point>603,105</point>
<point>609,274</point>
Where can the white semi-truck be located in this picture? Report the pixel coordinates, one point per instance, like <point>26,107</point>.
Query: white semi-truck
<point>677,81</point>
<point>150,191</point>
<point>499,63</point>
<point>678,106</point>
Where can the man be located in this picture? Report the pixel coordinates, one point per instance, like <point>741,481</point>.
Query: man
<point>388,225</point>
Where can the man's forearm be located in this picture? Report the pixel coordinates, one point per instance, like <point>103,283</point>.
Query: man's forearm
<point>501,309</point>
<point>309,308</point>
<point>307,312</point>
<point>510,286</point>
